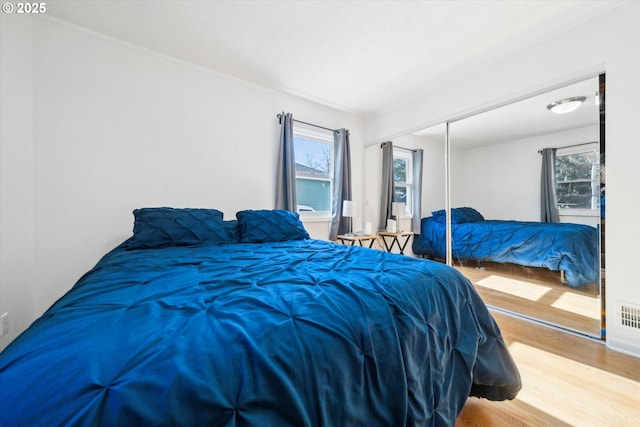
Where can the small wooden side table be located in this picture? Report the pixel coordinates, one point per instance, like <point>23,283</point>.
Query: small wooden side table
<point>395,239</point>
<point>352,239</point>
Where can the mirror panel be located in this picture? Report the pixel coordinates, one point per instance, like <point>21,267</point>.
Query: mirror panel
<point>496,169</point>
<point>431,141</point>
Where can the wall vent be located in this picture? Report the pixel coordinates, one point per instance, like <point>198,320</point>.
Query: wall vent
<point>629,316</point>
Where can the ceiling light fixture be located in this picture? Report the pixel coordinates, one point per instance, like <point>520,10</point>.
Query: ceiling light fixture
<point>566,105</point>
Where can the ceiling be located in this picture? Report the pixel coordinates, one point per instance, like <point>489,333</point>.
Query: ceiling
<point>523,119</point>
<point>361,57</point>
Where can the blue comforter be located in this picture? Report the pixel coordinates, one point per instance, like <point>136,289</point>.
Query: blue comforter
<point>303,333</point>
<point>569,247</point>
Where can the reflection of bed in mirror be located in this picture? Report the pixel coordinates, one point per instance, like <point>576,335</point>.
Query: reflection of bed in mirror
<point>566,247</point>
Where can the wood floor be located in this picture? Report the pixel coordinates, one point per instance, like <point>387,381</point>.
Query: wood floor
<point>567,380</point>
<point>537,293</point>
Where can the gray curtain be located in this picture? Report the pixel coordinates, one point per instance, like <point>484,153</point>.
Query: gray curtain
<point>548,200</point>
<point>286,176</point>
<point>416,203</point>
<point>341,182</point>
<point>386,193</point>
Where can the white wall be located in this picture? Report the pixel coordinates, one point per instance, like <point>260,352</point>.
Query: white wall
<point>373,182</point>
<point>16,175</point>
<point>611,43</point>
<point>113,127</point>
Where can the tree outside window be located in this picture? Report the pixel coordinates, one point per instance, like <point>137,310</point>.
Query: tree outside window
<point>578,179</point>
<point>314,170</point>
<point>402,178</point>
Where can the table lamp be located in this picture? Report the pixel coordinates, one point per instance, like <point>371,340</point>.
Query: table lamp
<point>349,211</point>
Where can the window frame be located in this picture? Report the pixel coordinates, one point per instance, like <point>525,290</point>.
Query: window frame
<point>300,130</point>
<point>400,153</point>
<point>588,148</point>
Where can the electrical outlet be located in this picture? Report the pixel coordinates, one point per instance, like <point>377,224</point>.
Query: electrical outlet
<point>4,324</point>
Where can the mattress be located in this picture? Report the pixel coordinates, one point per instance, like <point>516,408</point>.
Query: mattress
<point>290,333</point>
<point>572,248</point>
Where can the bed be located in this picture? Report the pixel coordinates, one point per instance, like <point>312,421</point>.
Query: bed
<point>570,248</point>
<point>196,320</point>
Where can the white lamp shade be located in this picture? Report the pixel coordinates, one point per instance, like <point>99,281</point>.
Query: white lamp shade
<point>348,208</point>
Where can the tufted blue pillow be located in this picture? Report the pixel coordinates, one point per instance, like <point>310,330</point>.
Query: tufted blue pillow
<point>231,227</point>
<point>259,226</point>
<point>459,215</point>
<point>163,227</point>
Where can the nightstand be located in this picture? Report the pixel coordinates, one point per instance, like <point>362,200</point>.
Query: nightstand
<point>352,239</point>
<point>396,239</point>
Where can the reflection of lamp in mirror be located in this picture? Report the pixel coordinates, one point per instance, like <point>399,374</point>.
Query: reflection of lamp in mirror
<point>566,105</point>
<point>397,209</point>
<point>349,211</point>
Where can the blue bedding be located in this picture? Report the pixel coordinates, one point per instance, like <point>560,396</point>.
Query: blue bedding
<point>291,333</point>
<point>572,248</point>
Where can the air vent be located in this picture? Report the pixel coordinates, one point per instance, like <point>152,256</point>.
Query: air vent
<point>629,316</point>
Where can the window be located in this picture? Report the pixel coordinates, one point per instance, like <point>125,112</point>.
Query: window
<point>314,170</point>
<point>403,178</point>
<point>578,178</point>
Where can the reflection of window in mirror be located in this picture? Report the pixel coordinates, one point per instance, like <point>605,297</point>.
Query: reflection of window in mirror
<point>578,179</point>
<point>402,178</point>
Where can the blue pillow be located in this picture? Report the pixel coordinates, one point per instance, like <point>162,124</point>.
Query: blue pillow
<point>459,215</point>
<point>259,226</point>
<point>231,227</point>
<point>163,227</point>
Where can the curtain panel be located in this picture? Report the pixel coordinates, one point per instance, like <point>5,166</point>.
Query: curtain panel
<point>386,191</point>
<point>548,199</point>
<point>416,202</point>
<point>286,176</point>
<point>341,182</point>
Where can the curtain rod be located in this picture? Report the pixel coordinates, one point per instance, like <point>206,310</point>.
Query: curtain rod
<point>310,124</point>
<point>401,148</point>
<point>571,146</point>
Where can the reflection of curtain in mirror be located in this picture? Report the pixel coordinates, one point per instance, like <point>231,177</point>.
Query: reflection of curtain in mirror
<point>548,200</point>
<point>341,182</point>
<point>386,193</point>
<point>416,203</point>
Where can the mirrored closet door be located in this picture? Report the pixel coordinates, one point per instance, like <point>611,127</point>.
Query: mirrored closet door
<point>432,187</point>
<point>497,167</point>
<point>491,164</point>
